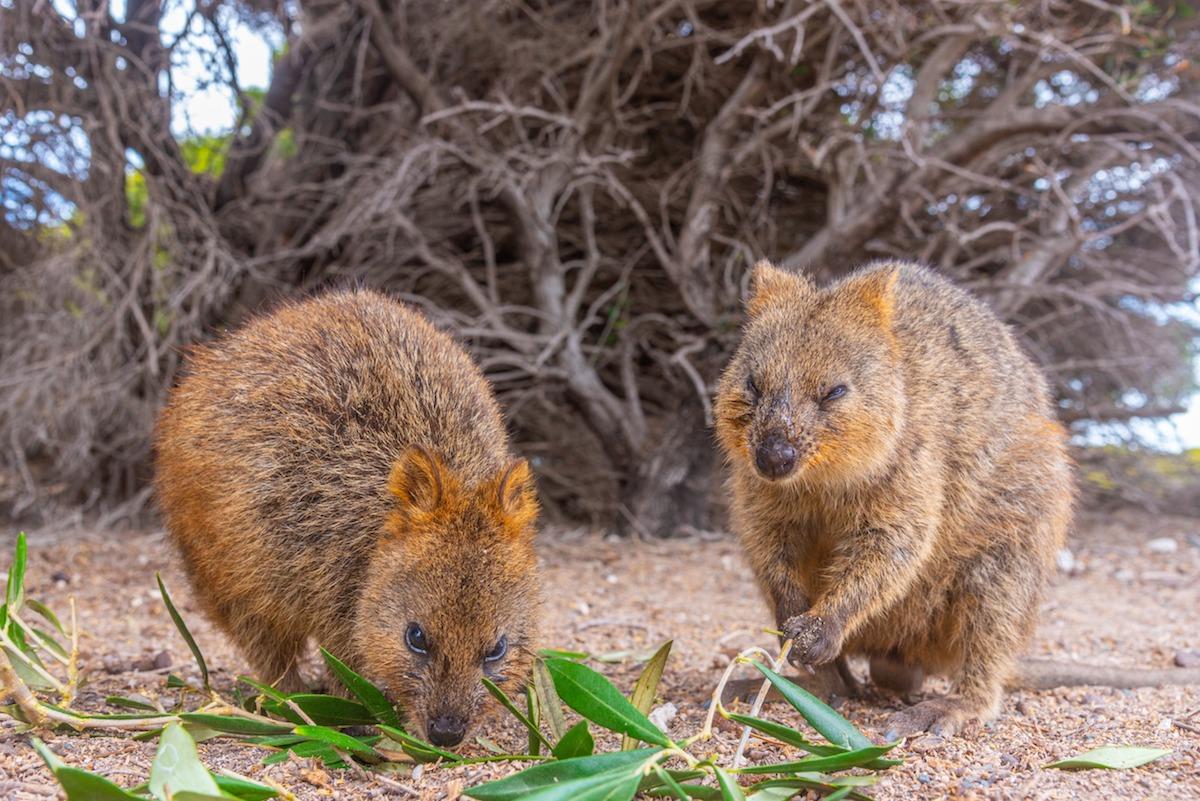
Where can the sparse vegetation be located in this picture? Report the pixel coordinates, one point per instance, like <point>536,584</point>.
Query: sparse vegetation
<point>329,727</point>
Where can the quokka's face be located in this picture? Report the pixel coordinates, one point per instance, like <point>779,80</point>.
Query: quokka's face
<point>452,596</point>
<point>813,392</point>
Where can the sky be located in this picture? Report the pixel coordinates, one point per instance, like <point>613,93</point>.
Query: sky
<point>204,109</point>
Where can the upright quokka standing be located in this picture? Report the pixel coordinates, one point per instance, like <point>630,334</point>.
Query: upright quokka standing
<point>899,481</point>
<point>340,470</point>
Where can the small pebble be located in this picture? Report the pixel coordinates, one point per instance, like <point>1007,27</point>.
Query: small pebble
<point>59,577</point>
<point>1187,659</point>
<point>661,716</point>
<point>1123,575</point>
<point>1164,724</point>
<point>1162,545</point>
<point>924,778</point>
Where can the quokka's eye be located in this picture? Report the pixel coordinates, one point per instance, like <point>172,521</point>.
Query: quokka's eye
<point>414,638</point>
<point>833,394</point>
<point>497,653</point>
<point>752,387</point>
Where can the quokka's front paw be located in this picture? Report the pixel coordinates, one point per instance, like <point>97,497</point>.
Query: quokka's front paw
<point>815,639</point>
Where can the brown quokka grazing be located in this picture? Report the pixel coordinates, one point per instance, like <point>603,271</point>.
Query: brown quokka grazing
<point>339,470</point>
<point>898,480</point>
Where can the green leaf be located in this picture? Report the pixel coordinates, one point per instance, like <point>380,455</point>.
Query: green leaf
<point>130,703</point>
<point>782,789</point>
<point>534,715</point>
<point>315,749</point>
<point>418,748</point>
<point>506,702</point>
<point>325,710</point>
<point>548,701</point>
<point>176,767</point>
<point>642,696</point>
<point>668,781</point>
<point>594,697</point>
<point>558,653</point>
<point>370,695</point>
<point>790,736</point>
<point>577,742</point>
<point>819,715</point>
<point>849,759</point>
<point>1113,757</point>
<point>555,774</point>
<point>15,589</point>
<point>183,630</point>
<point>80,785</point>
<point>337,739</point>
<point>265,689</point>
<point>45,612</point>
<point>48,641</point>
<point>730,789</point>
<point>21,664</point>
<point>231,724</point>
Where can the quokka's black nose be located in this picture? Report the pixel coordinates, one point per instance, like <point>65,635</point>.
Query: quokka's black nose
<point>775,457</point>
<point>447,730</point>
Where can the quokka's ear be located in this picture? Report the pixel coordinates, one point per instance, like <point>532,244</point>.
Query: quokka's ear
<point>875,291</point>
<point>419,480</point>
<point>514,497</point>
<point>769,283</point>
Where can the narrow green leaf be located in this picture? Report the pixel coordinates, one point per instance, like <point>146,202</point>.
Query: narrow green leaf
<point>15,588</point>
<point>819,715</point>
<point>243,788</point>
<point>45,612</point>
<point>668,781</point>
<point>644,690</point>
<point>130,703</point>
<point>418,748</point>
<point>534,715</point>
<point>790,736</point>
<point>370,695</point>
<point>176,767</point>
<point>325,710</point>
<point>1111,757</point>
<point>21,664</point>
<point>337,739</point>
<point>183,630</point>
<point>317,750</point>
<point>849,759</point>
<point>558,653</point>
<point>507,703</point>
<point>48,641</point>
<point>730,789</point>
<point>265,689</point>
<point>80,785</point>
<point>548,700</point>
<point>549,774</point>
<point>782,789</point>
<point>577,742</point>
<point>594,697</point>
<point>231,724</point>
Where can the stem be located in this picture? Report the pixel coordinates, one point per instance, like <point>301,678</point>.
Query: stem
<point>758,702</point>
<point>10,682</point>
<point>716,705</point>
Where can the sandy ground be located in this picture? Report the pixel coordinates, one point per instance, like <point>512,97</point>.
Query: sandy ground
<point>1125,602</point>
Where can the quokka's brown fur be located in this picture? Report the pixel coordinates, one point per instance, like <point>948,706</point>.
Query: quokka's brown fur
<point>339,470</point>
<point>912,515</point>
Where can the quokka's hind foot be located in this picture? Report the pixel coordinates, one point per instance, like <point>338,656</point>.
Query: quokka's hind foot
<point>944,717</point>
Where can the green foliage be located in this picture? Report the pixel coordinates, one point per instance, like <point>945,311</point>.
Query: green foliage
<point>329,728</point>
<point>1112,757</point>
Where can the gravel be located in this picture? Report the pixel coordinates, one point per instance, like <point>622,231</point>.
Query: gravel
<point>1115,606</point>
